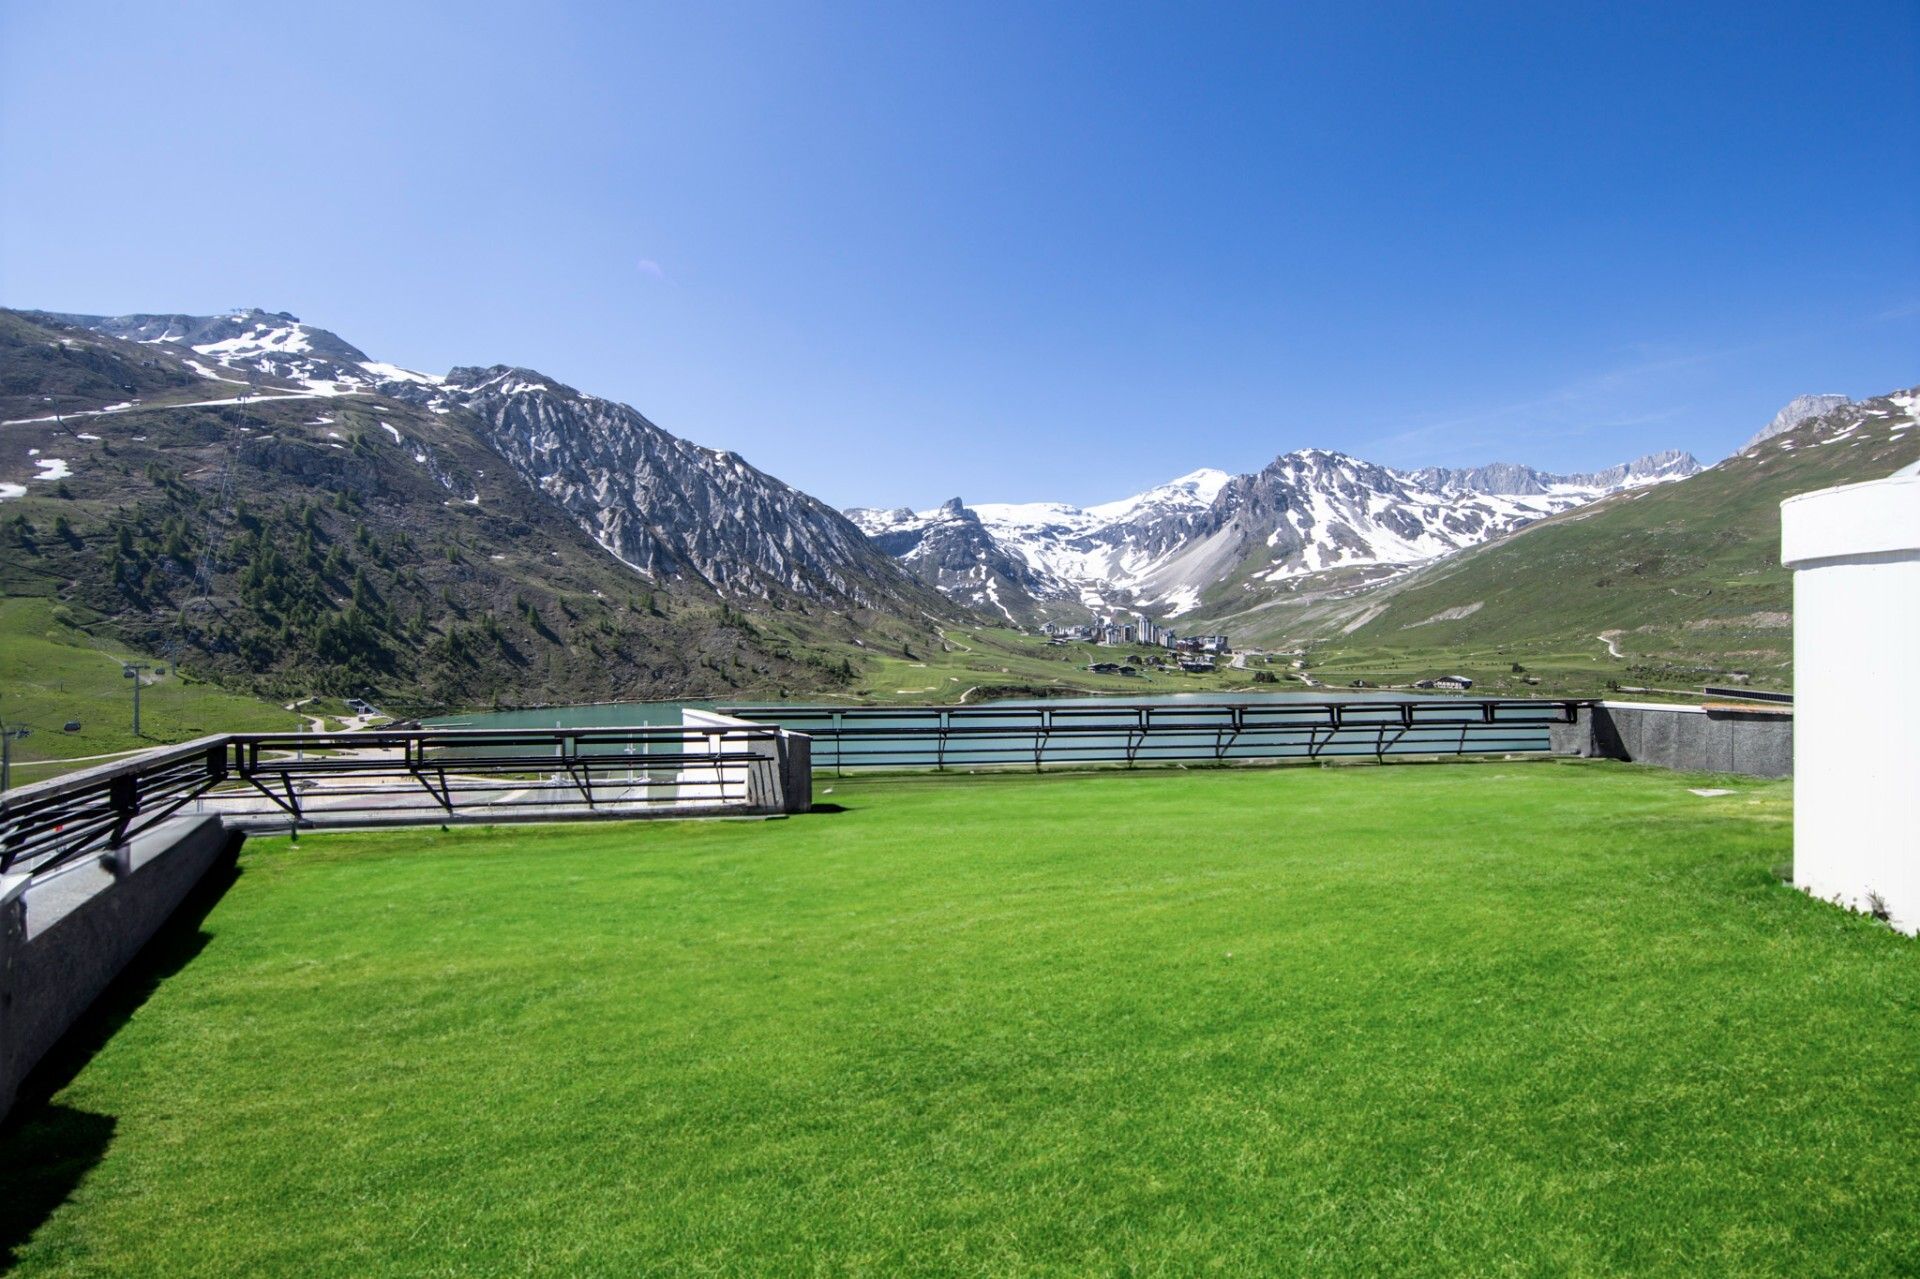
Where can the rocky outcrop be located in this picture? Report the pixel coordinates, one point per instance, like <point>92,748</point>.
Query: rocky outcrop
<point>668,507</point>
<point>1801,408</point>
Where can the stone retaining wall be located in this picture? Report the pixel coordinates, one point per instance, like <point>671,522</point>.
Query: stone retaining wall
<point>67,935</point>
<point>1756,742</point>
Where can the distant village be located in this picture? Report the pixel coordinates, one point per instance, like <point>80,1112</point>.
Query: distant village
<point>1194,653</point>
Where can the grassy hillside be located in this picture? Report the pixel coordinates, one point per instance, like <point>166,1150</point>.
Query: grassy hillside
<point>1684,580</point>
<point>52,673</point>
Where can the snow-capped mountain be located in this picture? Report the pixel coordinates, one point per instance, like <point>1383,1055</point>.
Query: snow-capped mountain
<point>1513,479</point>
<point>1011,557</point>
<point>950,548</point>
<point>1308,512</point>
<point>666,507</point>
<point>671,508</point>
<point>250,344</point>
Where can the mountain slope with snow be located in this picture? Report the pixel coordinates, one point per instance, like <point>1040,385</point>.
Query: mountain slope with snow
<point>666,507</point>
<point>1801,408</point>
<point>1683,581</point>
<point>1176,545</point>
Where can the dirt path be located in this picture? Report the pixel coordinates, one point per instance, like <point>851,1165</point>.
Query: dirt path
<point>130,409</point>
<point>79,759</point>
<point>1613,649</point>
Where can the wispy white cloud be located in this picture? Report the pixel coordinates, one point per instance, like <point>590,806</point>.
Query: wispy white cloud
<point>1595,403</point>
<point>649,267</point>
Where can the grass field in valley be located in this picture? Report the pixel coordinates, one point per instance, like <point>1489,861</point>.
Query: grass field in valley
<point>1476,1018</point>
<point>53,673</point>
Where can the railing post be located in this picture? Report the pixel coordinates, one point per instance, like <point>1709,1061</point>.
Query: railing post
<point>123,797</point>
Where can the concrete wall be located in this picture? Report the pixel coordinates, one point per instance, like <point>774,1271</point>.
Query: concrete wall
<point>1756,743</point>
<point>65,936</point>
<point>780,771</point>
<point>1855,556</point>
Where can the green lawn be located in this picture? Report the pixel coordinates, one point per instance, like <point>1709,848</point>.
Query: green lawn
<point>1521,1018</point>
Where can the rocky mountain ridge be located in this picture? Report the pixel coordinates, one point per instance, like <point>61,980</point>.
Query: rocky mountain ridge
<point>1309,512</point>
<point>242,496</point>
<point>664,506</point>
<point>1801,408</point>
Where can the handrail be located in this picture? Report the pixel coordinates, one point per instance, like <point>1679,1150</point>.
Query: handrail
<point>394,776</point>
<point>430,776</point>
<point>1166,732</point>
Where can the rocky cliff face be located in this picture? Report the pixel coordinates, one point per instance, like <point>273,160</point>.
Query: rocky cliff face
<point>1800,408</point>
<point>1514,480</point>
<point>950,549</point>
<point>666,506</point>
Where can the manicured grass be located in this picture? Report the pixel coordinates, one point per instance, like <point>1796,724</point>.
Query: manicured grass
<point>1520,1018</point>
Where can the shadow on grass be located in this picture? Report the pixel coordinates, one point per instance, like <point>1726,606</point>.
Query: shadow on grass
<point>47,1149</point>
<point>46,1152</point>
<point>829,808</point>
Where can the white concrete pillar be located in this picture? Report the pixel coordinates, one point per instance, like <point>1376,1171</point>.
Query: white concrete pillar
<point>1855,556</point>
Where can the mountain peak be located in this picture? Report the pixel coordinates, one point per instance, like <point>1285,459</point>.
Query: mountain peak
<point>1800,408</point>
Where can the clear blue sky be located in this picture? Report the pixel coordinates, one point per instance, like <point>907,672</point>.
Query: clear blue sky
<point>896,253</point>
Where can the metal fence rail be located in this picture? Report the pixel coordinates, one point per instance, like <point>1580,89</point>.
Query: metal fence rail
<point>428,776</point>
<point>53,821</point>
<point>1148,733</point>
<point>314,780</point>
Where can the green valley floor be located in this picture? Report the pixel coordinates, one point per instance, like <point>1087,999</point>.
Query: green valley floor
<point>1489,1018</point>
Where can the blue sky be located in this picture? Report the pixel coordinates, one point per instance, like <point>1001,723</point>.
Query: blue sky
<point>897,253</point>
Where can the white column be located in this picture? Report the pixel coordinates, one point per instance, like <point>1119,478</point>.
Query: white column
<point>1855,556</point>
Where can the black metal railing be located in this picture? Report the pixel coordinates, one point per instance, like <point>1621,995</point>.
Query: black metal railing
<point>427,776</point>
<point>1164,732</point>
<point>314,780</point>
<point>52,821</point>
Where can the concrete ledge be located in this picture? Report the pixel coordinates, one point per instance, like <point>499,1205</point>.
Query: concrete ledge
<point>1754,742</point>
<point>780,774</point>
<point>65,936</point>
